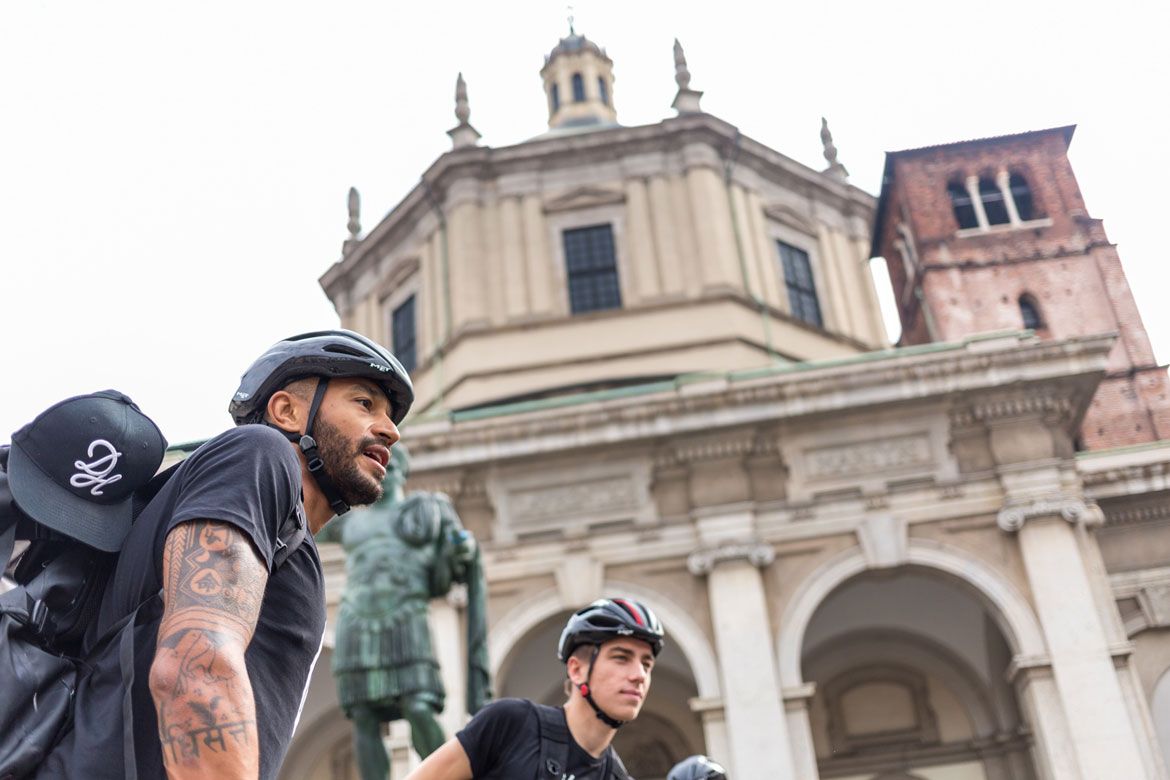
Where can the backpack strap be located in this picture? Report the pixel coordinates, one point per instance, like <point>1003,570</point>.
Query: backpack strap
<point>614,768</point>
<point>293,531</point>
<point>7,541</point>
<point>554,743</point>
<point>124,631</point>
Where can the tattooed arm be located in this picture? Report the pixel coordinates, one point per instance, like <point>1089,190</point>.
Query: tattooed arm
<point>213,582</point>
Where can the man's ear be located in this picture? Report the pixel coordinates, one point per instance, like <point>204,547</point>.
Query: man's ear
<point>575,669</point>
<point>286,411</point>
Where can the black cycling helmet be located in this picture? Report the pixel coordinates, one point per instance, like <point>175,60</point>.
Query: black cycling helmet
<point>323,353</point>
<point>607,619</point>
<point>601,621</point>
<point>326,354</point>
<point>697,768</point>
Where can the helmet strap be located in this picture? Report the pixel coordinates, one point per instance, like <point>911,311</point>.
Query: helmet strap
<point>313,459</point>
<point>587,694</point>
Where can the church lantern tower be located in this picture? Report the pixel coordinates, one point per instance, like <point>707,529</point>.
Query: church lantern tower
<point>578,83</point>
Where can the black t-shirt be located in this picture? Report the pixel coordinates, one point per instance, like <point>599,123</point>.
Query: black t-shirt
<point>249,477</point>
<point>503,741</point>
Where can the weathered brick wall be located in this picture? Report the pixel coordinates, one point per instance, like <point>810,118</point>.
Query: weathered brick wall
<point>973,280</point>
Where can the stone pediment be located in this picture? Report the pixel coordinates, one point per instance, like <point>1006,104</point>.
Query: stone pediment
<point>584,198</point>
<point>786,215</point>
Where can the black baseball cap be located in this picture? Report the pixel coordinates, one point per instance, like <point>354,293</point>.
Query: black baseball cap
<point>75,468</point>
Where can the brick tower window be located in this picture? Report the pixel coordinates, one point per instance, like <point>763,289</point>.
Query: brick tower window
<point>993,203</point>
<point>1030,313</point>
<point>578,88</point>
<point>602,90</point>
<point>1022,196</point>
<point>554,96</point>
<point>961,201</point>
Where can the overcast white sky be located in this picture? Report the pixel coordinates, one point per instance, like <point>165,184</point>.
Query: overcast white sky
<point>173,175</point>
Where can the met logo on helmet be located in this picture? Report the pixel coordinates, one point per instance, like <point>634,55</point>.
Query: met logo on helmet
<point>380,367</point>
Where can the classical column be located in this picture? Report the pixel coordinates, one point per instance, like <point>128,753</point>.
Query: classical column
<point>1103,737</point>
<point>804,753</point>
<point>449,641</point>
<point>976,201</point>
<point>1003,180</point>
<point>757,732</point>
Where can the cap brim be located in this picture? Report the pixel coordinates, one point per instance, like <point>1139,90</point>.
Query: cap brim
<point>103,526</point>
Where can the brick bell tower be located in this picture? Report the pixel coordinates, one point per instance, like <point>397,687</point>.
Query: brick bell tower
<point>992,234</point>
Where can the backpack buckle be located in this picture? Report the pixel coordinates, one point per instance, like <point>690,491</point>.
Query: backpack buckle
<point>37,619</point>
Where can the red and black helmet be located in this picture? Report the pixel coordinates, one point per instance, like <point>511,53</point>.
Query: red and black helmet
<point>607,619</point>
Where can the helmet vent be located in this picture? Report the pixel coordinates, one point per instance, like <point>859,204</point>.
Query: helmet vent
<point>343,349</point>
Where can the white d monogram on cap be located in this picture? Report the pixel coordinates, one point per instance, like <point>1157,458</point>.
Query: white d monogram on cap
<point>95,474</point>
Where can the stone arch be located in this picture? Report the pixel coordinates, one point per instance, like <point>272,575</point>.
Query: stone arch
<point>316,743</point>
<point>680,626</point>
<point>895,645</point>
<point>1008,606</point>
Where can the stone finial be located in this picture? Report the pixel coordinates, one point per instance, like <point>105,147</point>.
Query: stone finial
<point>353,203</point>
<point>463,134</point>
<point>462,108</point>
<point>686,101</point>
<point>355,220</point>
<point>835,168</point>
<point>681,75</point>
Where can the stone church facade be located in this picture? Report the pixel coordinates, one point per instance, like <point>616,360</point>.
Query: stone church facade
<point>650,362</point>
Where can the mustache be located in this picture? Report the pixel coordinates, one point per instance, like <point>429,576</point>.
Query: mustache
<point>372,441</point>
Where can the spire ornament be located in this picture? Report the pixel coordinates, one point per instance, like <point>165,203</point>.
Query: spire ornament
<point>462,134</point>
<point>686,101</point>
<point>835,169</point>
<point>354,225</point>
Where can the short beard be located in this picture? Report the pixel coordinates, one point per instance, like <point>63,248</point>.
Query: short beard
<point>354,487</point>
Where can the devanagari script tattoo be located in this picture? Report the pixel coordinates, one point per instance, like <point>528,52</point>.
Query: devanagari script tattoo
<point>213,583</point>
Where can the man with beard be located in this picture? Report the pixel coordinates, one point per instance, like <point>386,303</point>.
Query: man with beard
<point>229,615</point>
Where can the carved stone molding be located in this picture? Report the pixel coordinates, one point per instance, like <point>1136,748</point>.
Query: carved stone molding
<point>992,409</point>
<point>696,450</point>
<point>1074,510</point>
<point>758,554</point>
<point>869,456</point>
<point>584,197</point>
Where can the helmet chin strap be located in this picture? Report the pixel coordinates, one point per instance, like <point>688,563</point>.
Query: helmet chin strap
<point>587,694</point>
<point>313,459</point>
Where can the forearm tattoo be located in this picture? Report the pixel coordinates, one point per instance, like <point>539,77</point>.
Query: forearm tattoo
<point>213,583</point>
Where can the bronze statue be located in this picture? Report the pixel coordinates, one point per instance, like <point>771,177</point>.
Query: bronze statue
<point>401,552</point>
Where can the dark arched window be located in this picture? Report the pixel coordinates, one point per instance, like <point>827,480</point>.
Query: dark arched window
<point>603,90</point>
<point>1030,313</point>
<point>993,205</point>
<point>1022,196</point>
<point>554,97</point>
<point>578,88</point>
<point>961,202</point>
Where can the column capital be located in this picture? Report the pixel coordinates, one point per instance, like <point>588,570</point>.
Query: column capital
<point>756,553</point>
<point>1074,510</point>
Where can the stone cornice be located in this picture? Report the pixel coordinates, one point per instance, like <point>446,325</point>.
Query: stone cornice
<point>1074,510</point>
<point>1148,513</point>
<point>484,163</point>
<point>1049,402</point>
<point>756,553</point>
<point>754,398</point>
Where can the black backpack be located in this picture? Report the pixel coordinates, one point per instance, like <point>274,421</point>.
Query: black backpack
<point>554,749</point>
<point>43,624</point>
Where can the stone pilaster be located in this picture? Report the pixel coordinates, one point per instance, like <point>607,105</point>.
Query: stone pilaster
<point>756,726</point>
<point>1103,738</point>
